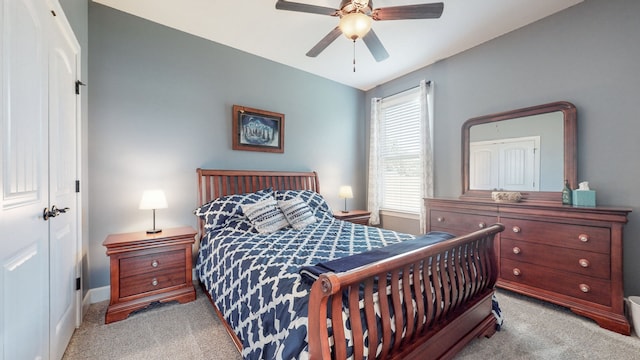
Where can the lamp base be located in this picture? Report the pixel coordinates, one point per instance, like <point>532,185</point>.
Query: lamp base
<point>154,231</point>
<point>344,211</point>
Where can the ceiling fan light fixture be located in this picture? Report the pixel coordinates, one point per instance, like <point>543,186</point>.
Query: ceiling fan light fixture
<point>360,3</point>
<point>355,25</point>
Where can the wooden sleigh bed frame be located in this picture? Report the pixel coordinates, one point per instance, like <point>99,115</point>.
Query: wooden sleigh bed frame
<point>442,322</point>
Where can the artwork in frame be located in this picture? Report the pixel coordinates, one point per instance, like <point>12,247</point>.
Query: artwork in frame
<point>257,130</point>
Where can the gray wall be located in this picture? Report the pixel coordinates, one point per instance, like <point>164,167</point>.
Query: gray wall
<point>160,107</point>
<point>588,55</point>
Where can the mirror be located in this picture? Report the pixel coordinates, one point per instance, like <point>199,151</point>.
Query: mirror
<point>530,150</point>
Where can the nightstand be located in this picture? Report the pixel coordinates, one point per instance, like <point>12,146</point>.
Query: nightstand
<point>146,268</point>
<point>354,216</point>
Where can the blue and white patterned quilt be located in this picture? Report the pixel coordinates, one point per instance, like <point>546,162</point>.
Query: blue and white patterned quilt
<point>254,281</point>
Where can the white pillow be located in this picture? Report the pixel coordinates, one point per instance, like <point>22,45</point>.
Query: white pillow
<point>297,212</point>
<point>265,216</point>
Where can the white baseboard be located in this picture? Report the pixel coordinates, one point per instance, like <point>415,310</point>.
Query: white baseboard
<point>96,295</point>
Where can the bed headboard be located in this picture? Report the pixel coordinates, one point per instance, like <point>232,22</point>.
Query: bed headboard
<point>216,183</point>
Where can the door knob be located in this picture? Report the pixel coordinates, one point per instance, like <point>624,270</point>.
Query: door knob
<point>46,213</point>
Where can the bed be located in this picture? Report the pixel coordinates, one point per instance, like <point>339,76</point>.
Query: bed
<point>313,289</point>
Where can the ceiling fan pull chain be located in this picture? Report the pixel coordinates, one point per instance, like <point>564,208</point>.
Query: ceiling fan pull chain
<point>354,55</point>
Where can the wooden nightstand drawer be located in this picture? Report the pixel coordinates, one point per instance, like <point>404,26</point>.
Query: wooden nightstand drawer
<point>355,216</point>
<point>146,268</point>
<point>152,263</point>
<point>152,281</point>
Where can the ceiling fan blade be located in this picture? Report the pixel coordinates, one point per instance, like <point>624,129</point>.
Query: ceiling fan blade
<point>326,41</point>
<point>420,11</point>
<point>313,9</point>
<point>375,46</point>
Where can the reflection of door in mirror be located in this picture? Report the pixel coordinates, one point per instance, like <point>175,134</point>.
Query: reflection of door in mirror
<point>519,154</point>
<point>511,164</point>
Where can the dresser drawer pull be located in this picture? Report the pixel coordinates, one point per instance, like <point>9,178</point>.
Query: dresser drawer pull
<point>516,229</point>
<point>516,250</point>
<point>585,288</point>
<point>154,282</point>
<point>482,225</point>
<point>516,272</point>
<point>583,237</point>
<point>440,219</point>
<point>154,263</point>
<point>584,263</point>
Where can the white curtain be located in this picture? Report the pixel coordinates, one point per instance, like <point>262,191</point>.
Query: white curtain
<point>373,197</point>
<point>426,112</point>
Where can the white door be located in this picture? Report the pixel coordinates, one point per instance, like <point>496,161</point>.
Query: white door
<point>63,228</point>
<point>507,164</point>
<point>483,166</point>
<point>518,165</point>
<point>24,235</point>
<point>38,258</point>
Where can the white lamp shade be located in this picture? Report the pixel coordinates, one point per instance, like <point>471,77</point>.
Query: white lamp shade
<point>355,25</point>
<point>345,192</point>
<point>153,199</point>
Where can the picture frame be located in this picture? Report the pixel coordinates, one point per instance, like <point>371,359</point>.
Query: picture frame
<point>257,130</point>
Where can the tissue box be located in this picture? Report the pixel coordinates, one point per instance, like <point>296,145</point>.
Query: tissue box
<point>584,198</point>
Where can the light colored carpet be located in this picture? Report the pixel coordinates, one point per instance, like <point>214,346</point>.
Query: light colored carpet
<point>532,330</point>
<point>163,331</point>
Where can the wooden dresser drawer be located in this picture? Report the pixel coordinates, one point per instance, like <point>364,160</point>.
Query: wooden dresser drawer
<point>151,281</point>
<point>588,238</point>
<point>574,285</point>
<point>576,261</point>
<point>158,262</point>
<point>462,223</point>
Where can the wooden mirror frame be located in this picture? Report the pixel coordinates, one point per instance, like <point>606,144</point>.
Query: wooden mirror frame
<point>570,150</point>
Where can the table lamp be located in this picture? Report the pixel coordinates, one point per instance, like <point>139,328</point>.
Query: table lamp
<point>153,199</point>
<point>345,193</point>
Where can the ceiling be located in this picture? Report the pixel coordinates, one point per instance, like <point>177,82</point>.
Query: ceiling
<point>256,27</point>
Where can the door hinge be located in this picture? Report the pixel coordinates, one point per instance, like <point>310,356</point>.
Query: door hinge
<point>77,186</point>
<point>78,84</point>
<point>78,284</point>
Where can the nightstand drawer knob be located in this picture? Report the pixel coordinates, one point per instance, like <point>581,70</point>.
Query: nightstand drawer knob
<point>584,263</point>
<point>583,237</point>
<point>516,250</point>
<point>516,272</point>
<point>154,263</point>
<point>440,219</point>
<point>482,225</point>
<point>516,229</point>
<point>585,288</point>
<point>154,282</point>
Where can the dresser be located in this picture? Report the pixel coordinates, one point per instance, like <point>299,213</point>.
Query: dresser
<point>146,268</point>
<point>570,256</point>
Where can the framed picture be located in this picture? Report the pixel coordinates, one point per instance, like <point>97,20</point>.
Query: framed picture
<point>257,130</point>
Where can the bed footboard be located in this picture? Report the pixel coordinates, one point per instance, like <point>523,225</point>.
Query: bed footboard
<point>437,299</point>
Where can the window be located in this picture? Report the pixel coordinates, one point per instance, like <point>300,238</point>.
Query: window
<point>400,152</point>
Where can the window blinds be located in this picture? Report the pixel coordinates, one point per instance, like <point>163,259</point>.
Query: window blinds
<point>400,152</point>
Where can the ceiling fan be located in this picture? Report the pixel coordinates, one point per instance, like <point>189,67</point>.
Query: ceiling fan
<point>355,21</point>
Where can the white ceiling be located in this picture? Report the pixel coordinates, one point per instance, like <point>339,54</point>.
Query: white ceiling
<point>255,26</point>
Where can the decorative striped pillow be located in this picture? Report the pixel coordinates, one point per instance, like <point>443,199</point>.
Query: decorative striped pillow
<point>297,212</point>
<point>265,216</point>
